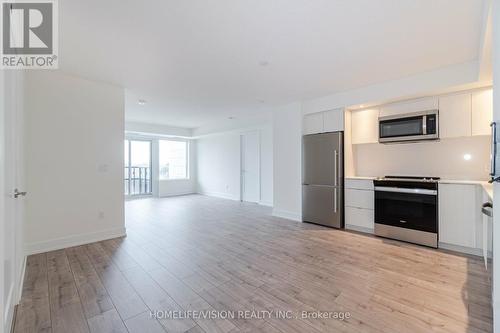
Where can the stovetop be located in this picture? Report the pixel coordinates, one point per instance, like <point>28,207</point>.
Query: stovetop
<point>410,179</point>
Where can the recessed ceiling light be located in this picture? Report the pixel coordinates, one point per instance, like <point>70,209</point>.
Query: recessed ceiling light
<point>230,118</point>
<point>261,101</point>
<point>263,63</point>
<point>467,157</point>
<point>142,102</point>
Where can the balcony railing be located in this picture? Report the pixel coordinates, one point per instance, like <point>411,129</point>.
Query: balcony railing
<point>137,180</point>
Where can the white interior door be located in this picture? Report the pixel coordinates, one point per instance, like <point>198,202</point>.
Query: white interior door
<point>250,166</point>
<point>11,214</point>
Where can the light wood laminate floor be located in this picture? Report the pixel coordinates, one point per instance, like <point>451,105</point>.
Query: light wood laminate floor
<point>206,254</point>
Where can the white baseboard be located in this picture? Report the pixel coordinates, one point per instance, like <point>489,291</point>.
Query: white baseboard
<point>360,229</point>
<point>8,315</point>
<point>74,240</point>
<point>265,203</point>
<point>21,281</point>
<point>176,194</point>
<point>221,195</point>
<point>294,216</point>
<point>13,298</point>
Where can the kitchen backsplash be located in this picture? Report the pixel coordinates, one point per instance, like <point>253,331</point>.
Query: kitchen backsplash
<point>465,158</point>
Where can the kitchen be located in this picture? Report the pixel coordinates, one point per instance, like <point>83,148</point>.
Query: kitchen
<point>415,170</point>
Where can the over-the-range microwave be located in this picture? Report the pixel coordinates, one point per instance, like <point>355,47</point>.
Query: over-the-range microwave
<point>416,126</point>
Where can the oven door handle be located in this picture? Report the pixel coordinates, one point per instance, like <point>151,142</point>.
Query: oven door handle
<point>406,190</point>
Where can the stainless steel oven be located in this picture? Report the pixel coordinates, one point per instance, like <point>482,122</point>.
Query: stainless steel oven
<point>407,209</point>
<point>423,125</point>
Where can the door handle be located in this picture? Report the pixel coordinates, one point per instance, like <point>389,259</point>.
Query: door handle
<point>494,177</point>
<point>335,166</point>
<point>17,194</point>
<point>335,200</point>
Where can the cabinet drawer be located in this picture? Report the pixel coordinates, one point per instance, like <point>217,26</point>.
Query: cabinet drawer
<point>358,184</point>
<point>359,198</point>
<point>359,217</point>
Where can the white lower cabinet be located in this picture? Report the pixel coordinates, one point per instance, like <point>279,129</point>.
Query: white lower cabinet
<point>459,214</point>
<point>358,184</point>
<point>359,219</point>
<point>462,226</point>
<point>359,204</point>
<point>359,198</point>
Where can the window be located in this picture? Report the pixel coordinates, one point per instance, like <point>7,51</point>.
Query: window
<point>137,167</point>
<point>173,159</point>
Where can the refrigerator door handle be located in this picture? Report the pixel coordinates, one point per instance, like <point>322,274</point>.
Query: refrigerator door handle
<point>335,200</point>
<point>493,155</point>
<point>335,166</point>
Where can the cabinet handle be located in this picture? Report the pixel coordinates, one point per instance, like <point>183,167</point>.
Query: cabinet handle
<point>487,209</point>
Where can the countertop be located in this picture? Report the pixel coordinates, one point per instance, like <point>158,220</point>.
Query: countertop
<point>487,187</point>
<point>361,178</point>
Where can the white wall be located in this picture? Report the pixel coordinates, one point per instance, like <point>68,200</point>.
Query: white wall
<point>266,165</point>
<point>74,161</point>
<point>441,159</point>
<point>218,164</point>
<point>287,138</point>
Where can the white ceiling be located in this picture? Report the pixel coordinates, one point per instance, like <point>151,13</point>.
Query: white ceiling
<point>199,62</point>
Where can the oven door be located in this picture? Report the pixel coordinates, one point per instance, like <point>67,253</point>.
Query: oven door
<point>407,208</point>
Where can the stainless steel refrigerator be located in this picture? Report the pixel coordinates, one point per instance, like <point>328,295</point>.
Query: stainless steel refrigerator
<point>323,179</point>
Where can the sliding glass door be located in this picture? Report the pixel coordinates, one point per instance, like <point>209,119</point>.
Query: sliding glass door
<point>138,167</point>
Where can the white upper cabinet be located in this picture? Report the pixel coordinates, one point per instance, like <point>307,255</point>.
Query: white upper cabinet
<point>333,120</point>
<point>313,123</point>
<point>364,126</point>
<point>322,122</point>
<point>482,112</point>
<point>455,115</point>
<point>415,105</point>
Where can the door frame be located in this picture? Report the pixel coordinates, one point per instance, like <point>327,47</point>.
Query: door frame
<point>242,178</point>
<point>12,162</point>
